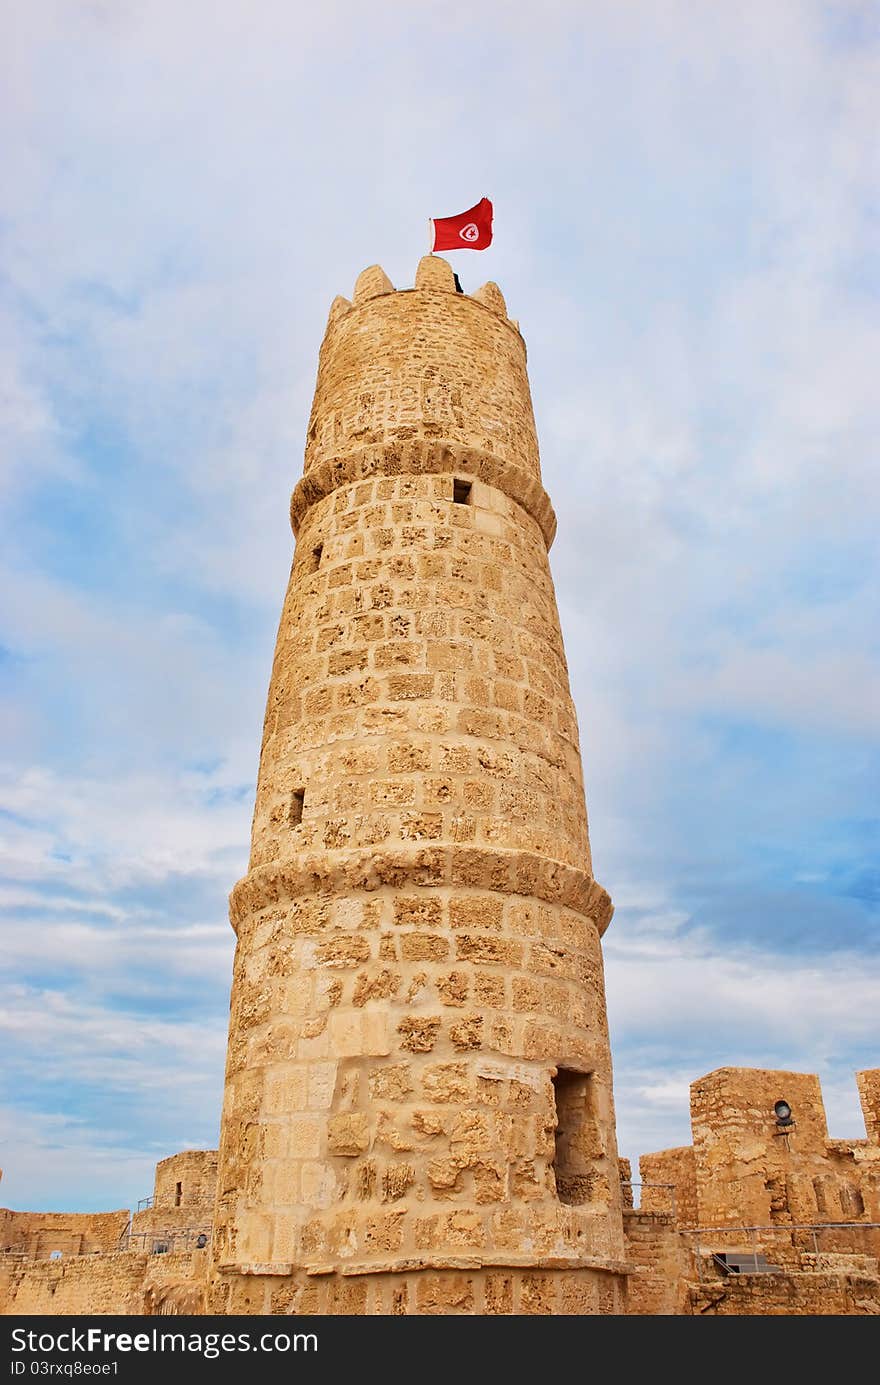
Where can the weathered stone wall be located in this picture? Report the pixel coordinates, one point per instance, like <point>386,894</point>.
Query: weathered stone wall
<point>752,1170</point>
<point>418,1065</point>
<point>93,1284</point>
<point>174,1284</point>
<point>73,1233</point>
<point>186,1180</point>
<point>660,1259</point>
<point>624,1169</point>
<point>175,1226</point>
<point>788,1295</point>
<point>869,1095</point>
<point>122,1282</point>
<point>675,1167</point>
<point>466,1289</point>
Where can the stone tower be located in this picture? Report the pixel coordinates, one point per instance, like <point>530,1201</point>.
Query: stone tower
<point>418,1112</point>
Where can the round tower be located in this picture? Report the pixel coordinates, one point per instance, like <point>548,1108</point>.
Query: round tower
<point>418,1113</point>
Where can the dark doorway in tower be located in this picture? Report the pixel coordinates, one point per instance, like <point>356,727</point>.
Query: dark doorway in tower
<point>178,1194</point>
<point>576,1136</point>
<point>297,800</point>
<point>461,492</point>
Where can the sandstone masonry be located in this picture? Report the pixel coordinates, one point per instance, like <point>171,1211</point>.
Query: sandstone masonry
<point>418,1114</point>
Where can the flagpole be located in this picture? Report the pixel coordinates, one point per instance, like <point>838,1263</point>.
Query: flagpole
<point>431,235</point>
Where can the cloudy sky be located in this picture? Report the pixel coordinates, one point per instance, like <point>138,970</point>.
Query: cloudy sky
<point>686,202</point>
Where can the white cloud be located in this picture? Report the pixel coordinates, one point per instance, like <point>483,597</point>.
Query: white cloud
<point>683,228</point>
<point>130,830</point>
<point>680,985</point>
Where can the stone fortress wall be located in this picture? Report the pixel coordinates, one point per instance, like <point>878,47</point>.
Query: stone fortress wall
<point>40,1234</point>
<point>181,1210</point>
<point>770,1215</point>
<point>115,1262</point>
<point>747,1168</point>
<point>821,1266</point>
<point>418,1114</point>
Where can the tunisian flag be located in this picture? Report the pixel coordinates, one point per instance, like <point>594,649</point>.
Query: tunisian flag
<point>471,230</point>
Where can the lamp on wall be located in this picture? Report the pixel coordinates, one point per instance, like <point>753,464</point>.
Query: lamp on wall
<point>783,1114</point>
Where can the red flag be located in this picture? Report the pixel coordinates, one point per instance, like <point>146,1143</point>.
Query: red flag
<point>470,230</point>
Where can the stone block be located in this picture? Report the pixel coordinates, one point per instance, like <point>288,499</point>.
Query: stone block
<point>348,1133</point>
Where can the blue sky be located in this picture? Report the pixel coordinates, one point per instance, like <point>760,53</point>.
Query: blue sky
<point>686,207</point>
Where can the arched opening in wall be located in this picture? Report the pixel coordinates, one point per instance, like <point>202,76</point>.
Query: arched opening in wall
<point>577,1144</point>
<point>178,1194</point>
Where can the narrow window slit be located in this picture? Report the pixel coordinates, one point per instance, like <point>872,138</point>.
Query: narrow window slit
<point>461,492</point>
<point>297,799</point>
<point>310,559</point>
<point>178,1194</point>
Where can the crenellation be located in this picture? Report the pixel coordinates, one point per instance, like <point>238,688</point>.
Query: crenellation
<point>371,283</point>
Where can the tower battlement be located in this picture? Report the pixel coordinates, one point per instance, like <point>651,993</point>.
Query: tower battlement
<point>434,274</point>
<point>423,381</point>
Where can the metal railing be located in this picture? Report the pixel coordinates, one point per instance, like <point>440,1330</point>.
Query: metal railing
<point>164,1242</point>
<point>145,1203</point>
<point>787,1242</point>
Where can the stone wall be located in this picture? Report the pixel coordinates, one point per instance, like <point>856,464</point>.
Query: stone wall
<point>177,1227</point>
<point>186,1180</point>
<point>123,1282</point>
<point>72,1233</point>
<point>174,1284</point>
<point>786,1295</point>
<point>660,1264</point>
<point>749,1167</point>
<point>467,1288</point>
<point>869,1095</point>
<point>667,1167</point>
<point>92,1284</point>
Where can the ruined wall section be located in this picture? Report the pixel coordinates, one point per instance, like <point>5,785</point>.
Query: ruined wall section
<point>71,1233</point>
<point>186,1180</point>
<point>869,1095</point>
<point>176,1227</point>
<point>120,1282</point>
<point>660,1261</point>
<point>90,1284</point>
<point>786,1295</point>
<point>755,1170</point>
<point>667,1167</point>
